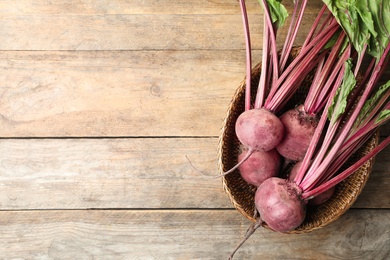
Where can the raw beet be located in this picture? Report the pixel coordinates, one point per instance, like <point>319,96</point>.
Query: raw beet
<point>280,205</point>
<point>259,166</point>
<point>259,129</point>
<point>299,128</point>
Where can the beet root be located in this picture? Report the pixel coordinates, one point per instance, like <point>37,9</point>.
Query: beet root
<point>280,205</point>
<point>259,166</point>
<point>259,129</point>
<point>299,128</point>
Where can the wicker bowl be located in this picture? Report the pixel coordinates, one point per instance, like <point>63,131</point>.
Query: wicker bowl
<point>241,194</point>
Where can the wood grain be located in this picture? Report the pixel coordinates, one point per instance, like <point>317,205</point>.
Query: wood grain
<point>178,234</point>
<point>139,25</point>
<point>101,104</point>
<point>90,7</point>
<point>117,93</point>
<point>129,173</point>
<point>109,173</point>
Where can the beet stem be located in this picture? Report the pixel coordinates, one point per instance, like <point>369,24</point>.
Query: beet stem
<point>292,83</point>
<point>342,176</point>
<point>324,93</point>
<point>331,131</point>
<point>321,84</point>
<point>263,83</point>
<point>316,172</point>
<point>293,70</point>
<point>290,40</point>
<point>272,37</point>
<point>315,25</point>
<point>284,54</point>
<point>248,55</point>
<point>341,158</point>
<point>317,134</point>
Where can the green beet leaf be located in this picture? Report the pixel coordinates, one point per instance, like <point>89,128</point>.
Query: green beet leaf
<point>278,12</point>
<point>366,22</point>
<point>384,115</point>
<point>341,98</point>
<point>372,102</point>
<point>380,10</point>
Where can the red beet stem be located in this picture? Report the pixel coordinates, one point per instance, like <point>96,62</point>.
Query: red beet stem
<point>342,176</point>
<point>248,55</point>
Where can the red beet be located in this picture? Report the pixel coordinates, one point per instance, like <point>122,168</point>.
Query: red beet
<point>259,166</point>
<point>259,129</point>
<point>299,129</point>
<point>279,204</point>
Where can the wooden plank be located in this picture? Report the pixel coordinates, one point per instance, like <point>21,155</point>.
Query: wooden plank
<point>378,183</point>
<point>120,93</point>
<point>90,7</point>
<point>117,93</point>
<point>76,25</point>
<point>129,173</point>
<point>109,173</point>
<point>189,234</point>
<point>120,32</point>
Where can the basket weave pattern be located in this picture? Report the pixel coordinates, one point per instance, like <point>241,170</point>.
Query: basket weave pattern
<point>241,194</point>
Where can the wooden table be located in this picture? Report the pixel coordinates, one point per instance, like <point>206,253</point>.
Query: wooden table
<point>101,103</point>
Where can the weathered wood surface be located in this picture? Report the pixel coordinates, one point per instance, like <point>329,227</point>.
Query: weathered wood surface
<point>91,7</point>
<point>101,103</point>
<point>183,234</point>
<point>129,173</point>
<point>132,25</point>
<point>117,93</point>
